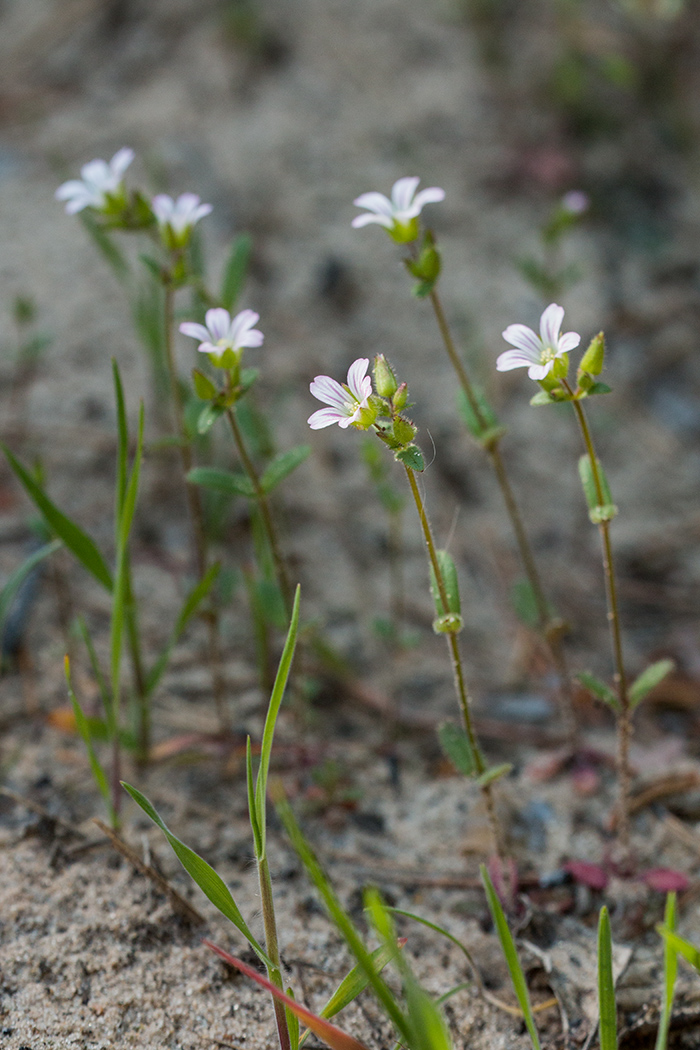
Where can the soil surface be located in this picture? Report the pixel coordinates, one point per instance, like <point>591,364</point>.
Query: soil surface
<point>280,115</point>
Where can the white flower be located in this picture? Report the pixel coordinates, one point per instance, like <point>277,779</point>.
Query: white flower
<point>576,202</point>
<point>177,217</point>
<point>400,214</point>
<point>347,401</point>
<point>535,352</point>
<point>99,181</point>
<point>222,332</point>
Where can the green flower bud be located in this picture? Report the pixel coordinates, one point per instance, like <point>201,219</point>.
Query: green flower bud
<point>400,397</point>
<point>592,360</point>
<point>384,379</point>
<point>404,431</point>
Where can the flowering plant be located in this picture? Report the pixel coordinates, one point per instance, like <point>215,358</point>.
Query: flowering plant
<point>224,337</point>
<point>543,353</point>
<point>101,185</point>
<point>176,218</point>
<point>349,402</point>
<point>398,215</point>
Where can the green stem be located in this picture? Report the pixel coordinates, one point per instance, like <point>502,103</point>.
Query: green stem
<point>272,948</point>
<point>195,509</point>
<point>549,628</point>
<point>458,670</point>
<point>624,726</point>
<point>143,707</point>
<point>265,512</point>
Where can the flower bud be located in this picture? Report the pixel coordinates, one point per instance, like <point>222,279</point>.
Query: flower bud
<point>400,397</point>
<point>592,360</point>
<point>404,431</point>
<point>384,379</point>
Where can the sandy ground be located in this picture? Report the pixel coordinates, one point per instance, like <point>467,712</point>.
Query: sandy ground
<point>327,99</point>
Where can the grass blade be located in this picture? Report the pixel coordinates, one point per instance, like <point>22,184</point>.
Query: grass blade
<point>211,884</point>
<point>514,968</point>
<point>75,539</point>
<point>272,712</point>
<point>689,952</point>
<point>17,578</point>
<point>98,773</point>
<point>670,972</point>
<point>606,985</point>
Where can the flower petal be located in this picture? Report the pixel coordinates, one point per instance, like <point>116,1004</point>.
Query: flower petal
<point>325,417</point>
<point>195,331</point>
<point>568,342</point>
<point>433,195</point>
<point>358,380</point>
<point>218,322</point>
<point>515,359</point>
<point>367,217</point>
<point>540,371</point>
<point>402,192</point>
<point>121,161</point>
<point>329,390</point>
<point>376,202</point>
<point>162,207</point>
<point>550,325</point>
<point>522,337</point>
<point>209,348</point>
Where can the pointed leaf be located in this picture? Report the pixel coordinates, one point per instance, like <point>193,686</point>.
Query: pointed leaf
<point>222,481</point>
<point>689,952</point>
<point>670,973</point>
<point>72,535</point>
<point>411,457</point>
<point>17,578</point>
<point>477,424</point>
<point>208,417</point>
<point>204,388</point>
<point>599,689</point>
<point>543,398</point>
<point>494,773</point>
<point>326,1031</point>
<point>648,680</point>
<point>599,388</point>
<point>211,884</point>
<point>507,944</point>
<point>123,440</point>
<point>606,985</point>
<point>594,499</point>
<point>98,773</point>
<point>283,465</point>
<point>236,270</point>
<point>450,583</point>
<point>455,743</point>
<point>292,1023</point>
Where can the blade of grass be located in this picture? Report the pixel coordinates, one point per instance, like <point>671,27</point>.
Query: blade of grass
<point>670,972</point>
<point>17,578</point>
<point>511,956</point>
<point>606,985</point>
<point>98,773</point>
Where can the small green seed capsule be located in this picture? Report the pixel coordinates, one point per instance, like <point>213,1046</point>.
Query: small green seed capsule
<point>592,360</point>
<point>384,379</point>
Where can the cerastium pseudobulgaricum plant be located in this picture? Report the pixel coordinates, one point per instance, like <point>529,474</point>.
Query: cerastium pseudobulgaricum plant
<point>546,357</point>
<point>174,265</point>
<point>356,404</point>
<point>400,217</point>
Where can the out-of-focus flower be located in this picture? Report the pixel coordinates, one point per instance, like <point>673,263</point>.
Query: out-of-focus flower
<point>398,215</point>
<point>224,333</point>
<point>535,352</point>
<point>576,202</point>
<point>349,401</point>
<point>177,217</point>
<point>99,185</point>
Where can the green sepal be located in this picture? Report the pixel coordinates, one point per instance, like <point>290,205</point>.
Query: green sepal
<point>222,481</point>
<point>648,680</point>
<point>494,773</point>
<point>411,457</point>
<point>599,689</point>
<point>543,397</point>
<point>455,743</point>
<point>204,388</point>
<point>404,431</point>
<point>283,465</point>
<point>592,360</point>
<point>208,417</point>
<point>450,580</point>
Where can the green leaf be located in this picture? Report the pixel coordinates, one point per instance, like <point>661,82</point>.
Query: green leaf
<point>292,1022</point>
<point>72,535</point>
<point>450,581</point>
<point>511,956</point>
<point>98,773</point>
<point>445,933</point>
<point>222,481</point>
<point>204,388</point>
<point>455,743</point>
<point>599,689</point>
<point>123,440</point>
<point>411,457</point>
<point>283,465</point>
<point>252,813</point>
<point>236,270</point>
<point>670,973</point>
<point>334,1037</point>
<point>17,578</point>
<point>271,719</point>
<point>211,884</point>
<point>494,773</point>
<point>648,680</point>
<point>208,417</point>
<point>480,421</point>
<point>543,398</point>
<point>525,604</point>
<point>590,489</point>
<point>682,947</point>
<point>95,664</point>
<point>599,388</point>
<point>606,985</point>
<point>189,607</point>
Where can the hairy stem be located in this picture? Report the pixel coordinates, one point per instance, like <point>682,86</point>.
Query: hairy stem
<point>624,724</point>
<point>458,670</point>
<point>549,628</point>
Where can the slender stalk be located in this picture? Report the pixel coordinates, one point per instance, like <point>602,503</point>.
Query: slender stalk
<point>549,628</point>
<point>143,707</point>
<point>195,509</point>
<point>458,671</point>
<point>624,725</point>
<point>265,512</point>
<point>272,947</point>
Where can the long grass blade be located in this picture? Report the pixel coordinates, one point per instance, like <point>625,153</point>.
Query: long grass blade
<point>17,578</point>
<point>606,985</point>
<point>670,972</point>
<point>82,722</point>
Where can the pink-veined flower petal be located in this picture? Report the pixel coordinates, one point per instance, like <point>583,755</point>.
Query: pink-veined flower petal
<point>218,322</point>
<point>329,390</point>
<point>569,341</point>
<point>550,325</point>
<point>515,359</point>
<point>194,330</point>
<point>359,382</point>
<point>324,417</point>
<point>538,372</point>
<point>402,193</point>
<point>522,337</point>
